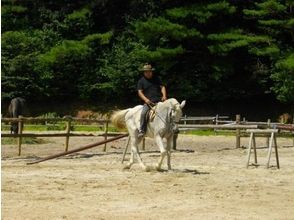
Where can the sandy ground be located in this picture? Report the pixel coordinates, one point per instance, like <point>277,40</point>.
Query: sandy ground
<point>208,181</point>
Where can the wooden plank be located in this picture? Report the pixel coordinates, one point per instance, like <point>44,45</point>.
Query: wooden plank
<point>68,124</point>
<point>285,127</point>
<point>202,118</point>
<point>143,144</point>
<point>276,152</point>
<point>249,149</point>
<point>254,148</point>
<point>105,135</point>
<point>211,126</point>
<point>56,135</point>
<point>31,119</point>
<point>78,149</point>
<point>20,128</point>
<point>269,131</point>
<point>238,137</point>
<point>270,149</point>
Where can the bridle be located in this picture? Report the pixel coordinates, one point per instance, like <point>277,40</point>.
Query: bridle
<point>172,123</point>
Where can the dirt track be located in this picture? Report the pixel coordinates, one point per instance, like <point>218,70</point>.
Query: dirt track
<point>209,181</point>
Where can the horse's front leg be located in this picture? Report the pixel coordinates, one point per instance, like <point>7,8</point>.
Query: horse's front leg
<point>168,148</point>
<point>160,144</point>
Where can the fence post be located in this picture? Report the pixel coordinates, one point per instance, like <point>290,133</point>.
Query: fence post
<point>175,137</point>
<point>185,122</point>
<point>267,138</point>
<point>238,136</point>
<point>20,128</point>
<point>105,134</point>
<point>143,143</point>
<point>68,125</point>
<point>216,122</point>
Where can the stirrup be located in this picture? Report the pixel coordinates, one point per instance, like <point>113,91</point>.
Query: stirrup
<point>141,133</point>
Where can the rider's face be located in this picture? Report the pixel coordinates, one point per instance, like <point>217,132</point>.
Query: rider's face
<point>148,74</point>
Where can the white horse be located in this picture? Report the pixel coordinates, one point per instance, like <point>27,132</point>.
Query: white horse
<point>163,125</point>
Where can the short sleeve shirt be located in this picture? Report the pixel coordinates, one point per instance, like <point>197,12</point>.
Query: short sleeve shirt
<point>151,88</point>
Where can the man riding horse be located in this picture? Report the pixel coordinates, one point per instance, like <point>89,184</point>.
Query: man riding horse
<point>151,91</point>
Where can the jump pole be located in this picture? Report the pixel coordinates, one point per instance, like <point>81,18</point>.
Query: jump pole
<point>79,149</point>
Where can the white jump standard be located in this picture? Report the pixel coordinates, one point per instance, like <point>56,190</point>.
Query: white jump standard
<point>272,142</point>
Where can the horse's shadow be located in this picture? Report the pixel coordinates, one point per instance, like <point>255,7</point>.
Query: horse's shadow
<point>189,171</point>
<point>87,155</point>
<point>184,150</point>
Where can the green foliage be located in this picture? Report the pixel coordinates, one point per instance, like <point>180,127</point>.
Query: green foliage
<point>287,63</point>
<point>13,17</point>
<point>92,50</point>
<point>160,29</point>
<point>118,70</point>
<point>78,23</point>
<point>284,79</point>
<point>266,8</point>
<point>160,53</point>
<point>201,12</point>
<point>233,39</point>
<point>60,68</point>
<point>19,55</point>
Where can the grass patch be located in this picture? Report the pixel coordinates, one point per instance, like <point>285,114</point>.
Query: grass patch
<point>25,140</point>
<point>209,133</point>
<point>89,128</point>
<point>61,127</point>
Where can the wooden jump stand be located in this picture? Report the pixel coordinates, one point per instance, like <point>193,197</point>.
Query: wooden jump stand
<point>272,142</point>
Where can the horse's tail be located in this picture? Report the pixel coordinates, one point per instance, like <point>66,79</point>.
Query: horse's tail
<point>118,118</point>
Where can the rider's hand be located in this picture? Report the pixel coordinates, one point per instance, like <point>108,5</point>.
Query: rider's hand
<point>163,98</point>
<point>148,102</point>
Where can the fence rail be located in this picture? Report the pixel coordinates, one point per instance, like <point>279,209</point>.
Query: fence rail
<point>30,119</point>
<point>202,118</point>
<point>67,133</point>
<point>236,125</point>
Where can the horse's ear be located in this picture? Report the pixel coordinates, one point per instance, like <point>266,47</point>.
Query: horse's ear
<point>183,104</point>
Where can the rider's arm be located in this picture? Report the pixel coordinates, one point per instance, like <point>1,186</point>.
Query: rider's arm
<point>143,97</point>
<point>163,92</point>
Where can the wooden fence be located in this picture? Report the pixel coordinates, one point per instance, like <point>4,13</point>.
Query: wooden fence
<point>222,123</point>
<point>67,133</point>
<point>216,123</point>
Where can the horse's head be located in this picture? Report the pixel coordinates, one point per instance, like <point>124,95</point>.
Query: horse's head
<point>175,112</point>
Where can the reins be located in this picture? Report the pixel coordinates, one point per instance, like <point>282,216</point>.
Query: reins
<point>156,113</point>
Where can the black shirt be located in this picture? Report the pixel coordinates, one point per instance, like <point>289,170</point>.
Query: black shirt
<point>151,88</point>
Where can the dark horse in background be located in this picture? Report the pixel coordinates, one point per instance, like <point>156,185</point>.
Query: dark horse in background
<point>16,108</point>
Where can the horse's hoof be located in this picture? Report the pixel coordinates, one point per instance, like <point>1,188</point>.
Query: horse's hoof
<point>147,168</point>
<point>127,167</point>
<point>159,169</point>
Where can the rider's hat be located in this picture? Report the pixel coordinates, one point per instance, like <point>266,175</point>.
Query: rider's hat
<point>147,67</point>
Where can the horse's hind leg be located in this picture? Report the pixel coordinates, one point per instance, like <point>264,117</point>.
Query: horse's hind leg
<point>134,151</point>
<point>160,144</point>
<point>168,147</point>
<point>128,166</point>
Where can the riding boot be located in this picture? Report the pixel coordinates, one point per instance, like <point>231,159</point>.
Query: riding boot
<point>143,121</point>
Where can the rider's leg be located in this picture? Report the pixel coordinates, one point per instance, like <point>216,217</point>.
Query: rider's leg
<point>143,121</point>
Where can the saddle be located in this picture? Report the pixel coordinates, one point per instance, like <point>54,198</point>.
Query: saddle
<point>151,114</point>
